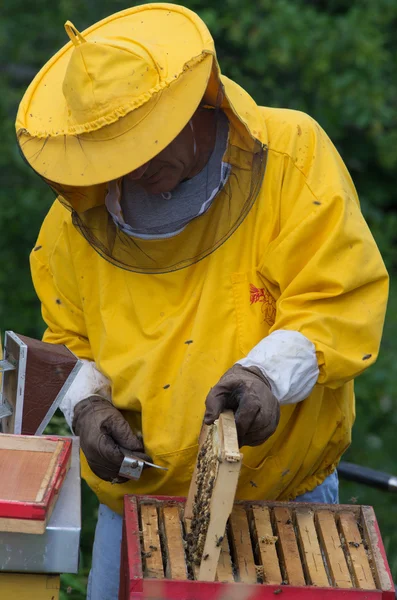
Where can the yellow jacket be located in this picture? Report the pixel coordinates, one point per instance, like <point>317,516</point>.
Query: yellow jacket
<point>164,340</point>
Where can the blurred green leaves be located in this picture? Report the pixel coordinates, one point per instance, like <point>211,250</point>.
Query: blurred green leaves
<point>336,60</point>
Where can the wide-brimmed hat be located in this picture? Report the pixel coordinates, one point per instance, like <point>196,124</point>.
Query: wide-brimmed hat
<point>116,95</point>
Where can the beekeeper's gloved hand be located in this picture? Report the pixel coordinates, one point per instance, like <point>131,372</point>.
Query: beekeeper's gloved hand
<point>102,429</point>
<point>247,392</point>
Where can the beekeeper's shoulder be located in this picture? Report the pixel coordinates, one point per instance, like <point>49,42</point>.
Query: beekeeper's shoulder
<point>294,134</point>
<point>54,234</point>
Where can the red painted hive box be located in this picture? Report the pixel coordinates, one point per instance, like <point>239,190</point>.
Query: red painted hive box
<point>32,471</point>
<point>270,549</point>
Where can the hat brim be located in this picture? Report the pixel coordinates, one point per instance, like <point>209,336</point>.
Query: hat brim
<point>112,151</point>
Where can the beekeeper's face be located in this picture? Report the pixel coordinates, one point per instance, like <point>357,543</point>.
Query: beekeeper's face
<point>183,158</point>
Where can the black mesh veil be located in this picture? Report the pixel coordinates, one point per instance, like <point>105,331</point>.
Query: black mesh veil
<point>246,157</point>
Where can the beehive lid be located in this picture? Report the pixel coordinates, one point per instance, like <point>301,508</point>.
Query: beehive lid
<point>32,470</point>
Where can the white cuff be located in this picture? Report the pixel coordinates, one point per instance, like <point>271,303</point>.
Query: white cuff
<point>89,382</point>
<point>288,361</point>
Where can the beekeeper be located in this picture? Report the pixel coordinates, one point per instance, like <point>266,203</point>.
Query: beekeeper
<point>203,253</point>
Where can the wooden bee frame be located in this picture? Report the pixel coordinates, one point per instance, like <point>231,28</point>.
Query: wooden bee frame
<point>298,551</point>
<point>211,494</point>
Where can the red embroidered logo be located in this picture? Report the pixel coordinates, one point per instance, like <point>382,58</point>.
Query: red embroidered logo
<point>268,303</point>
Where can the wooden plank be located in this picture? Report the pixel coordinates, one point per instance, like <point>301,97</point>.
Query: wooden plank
<point>28,526</point>
<point>131,571</point>
<point>242,546</point>
<point>50,471</point>
<point>332,548</point>
<point>207,469</point>
<point>151,542</point>
<point>266,541</point>
<point>375,546</point>
<point>224,571</point>
<point>57,483</point>
<point>228,441</point>
<point>310,548</point>
<point>220,498</point>
<point>26,442</point>
<point>212,492</point>
<point>221,505</point>
<point>21,474</point>
<point>22,525</point>
<point>34,524</point>
<point>176,563</point>
<point>354,546</point>
<point>333,508</point>
<point>288,546</point>
<point>228,448</point>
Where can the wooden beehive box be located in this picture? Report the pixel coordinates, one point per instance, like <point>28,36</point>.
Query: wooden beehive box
<point>32,470</point>
<point>296,551</point>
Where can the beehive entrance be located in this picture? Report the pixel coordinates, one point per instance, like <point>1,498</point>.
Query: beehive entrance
<point>266,543</point>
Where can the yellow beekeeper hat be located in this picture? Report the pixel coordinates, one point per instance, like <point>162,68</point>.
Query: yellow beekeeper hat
<point>115,95</point>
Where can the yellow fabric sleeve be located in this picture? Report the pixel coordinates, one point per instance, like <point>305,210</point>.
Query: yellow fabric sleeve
<point>61,304</point>
<point>323,265</point>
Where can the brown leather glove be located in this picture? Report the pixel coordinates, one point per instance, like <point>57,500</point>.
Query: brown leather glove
<point>247,392</point>
<point>102,429</point>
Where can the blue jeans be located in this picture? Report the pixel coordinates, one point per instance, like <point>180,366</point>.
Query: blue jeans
<point>327,492</point>
<point>103,582</point>
<point>104,579</point>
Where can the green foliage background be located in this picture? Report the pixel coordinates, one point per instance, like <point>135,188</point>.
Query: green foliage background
<point>336,60</point>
